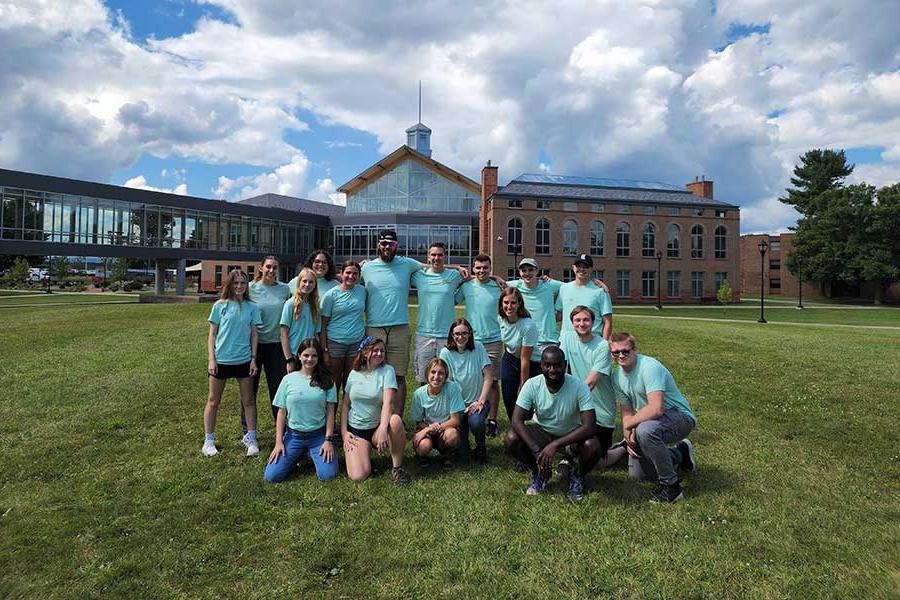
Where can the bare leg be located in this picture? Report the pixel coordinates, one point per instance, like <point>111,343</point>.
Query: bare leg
<point>348,366</point>
<point>493,398</point>
<point>248,400</point>
<point>336,366</point>
<point>400,396</point>
<point>397,435</point>
<point>358,459</point>
<point>424,446</point>
<point>216,387</point>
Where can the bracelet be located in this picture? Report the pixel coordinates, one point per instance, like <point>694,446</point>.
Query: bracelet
<point>290,359</point>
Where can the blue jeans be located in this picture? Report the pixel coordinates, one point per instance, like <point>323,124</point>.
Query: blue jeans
<point>476,422</point>
<point>509,379</point>
<point>658,460</point>
<point>296,444</point>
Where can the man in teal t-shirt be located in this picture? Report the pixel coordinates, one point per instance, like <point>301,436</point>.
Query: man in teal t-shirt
<point>540,301</point>
<point>554,412</point>
<point>436,289</point>
<point>656,418</point>
<point>584,292</point>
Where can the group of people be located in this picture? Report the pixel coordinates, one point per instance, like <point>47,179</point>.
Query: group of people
<point>342,333</point>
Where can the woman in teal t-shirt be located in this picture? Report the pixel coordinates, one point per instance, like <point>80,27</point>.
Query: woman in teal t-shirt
<point>322,264</point>
<point>470,367</point>
<point>520,336</point>
<point>269,295</point>
<point>299,317</point>
<point>366,419</point>
<point>231,349</point>
<point>436,409</point>
<point>342,321</point>
<point>306,402</point>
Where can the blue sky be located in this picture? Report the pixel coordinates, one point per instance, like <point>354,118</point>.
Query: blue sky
<point>229,98</point>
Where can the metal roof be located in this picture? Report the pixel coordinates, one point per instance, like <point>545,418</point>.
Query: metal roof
<point>597,182</point>
<point>595,193</point>
<point>295,204</point>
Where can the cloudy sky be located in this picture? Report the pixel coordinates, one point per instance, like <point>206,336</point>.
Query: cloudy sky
<point>230,98</point>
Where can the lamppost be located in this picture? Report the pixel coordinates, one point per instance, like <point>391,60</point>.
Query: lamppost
<point>49,268</point>
<point>659,280</point>
<point>800,280</point>
<point>762,246</point>
<point>515,255</point>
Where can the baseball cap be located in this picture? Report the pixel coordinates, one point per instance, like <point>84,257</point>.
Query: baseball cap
<point>387,235</point>
<point>584,259</point>
<point>528,262</point>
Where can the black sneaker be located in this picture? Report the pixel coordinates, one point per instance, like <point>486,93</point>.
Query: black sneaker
<point>576,489</point>
<point>423,462</point>
<point>668,494</point>
<point>480,455</point>
<point>688,461</point>
<point>492,428</point>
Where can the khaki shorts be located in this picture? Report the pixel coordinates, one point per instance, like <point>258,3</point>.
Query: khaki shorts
<point>396,345</point>
<point>425,349</point>
<point>495,353</point>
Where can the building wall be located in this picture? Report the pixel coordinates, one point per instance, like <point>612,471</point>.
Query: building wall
<point>584,213</point>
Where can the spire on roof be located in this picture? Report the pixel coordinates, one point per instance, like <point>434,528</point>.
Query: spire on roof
<point>418,137</point>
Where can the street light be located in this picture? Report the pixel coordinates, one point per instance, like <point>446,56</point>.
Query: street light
<point>659,280</point>
<point>49,270</point>
<point>515,255</point>
<point>762,246</point>
<point>800,279</point>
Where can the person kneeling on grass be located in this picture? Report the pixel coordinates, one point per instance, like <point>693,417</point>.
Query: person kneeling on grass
<point>306,401</point>
<point>437,408</point>
<point>655,415</point>
<point>561,413</point>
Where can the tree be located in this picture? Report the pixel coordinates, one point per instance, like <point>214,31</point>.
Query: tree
<point>724,295</point>
<point>119,269</point>
<point>818,172</point>
<point>61,268</point>
<point>20,270</point>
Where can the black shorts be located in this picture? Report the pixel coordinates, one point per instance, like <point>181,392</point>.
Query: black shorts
<point>604,436</point>
<point>365,434</point>
<point>232,371</point>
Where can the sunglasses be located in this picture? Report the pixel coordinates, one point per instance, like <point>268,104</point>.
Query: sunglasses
<point>384,244</point>
<point>620,352</point>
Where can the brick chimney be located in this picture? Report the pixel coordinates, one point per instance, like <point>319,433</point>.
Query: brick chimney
<point>488,187</point>
<point>701,187</point>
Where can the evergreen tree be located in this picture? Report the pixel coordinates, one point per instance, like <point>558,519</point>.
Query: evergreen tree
<point>818,172</point>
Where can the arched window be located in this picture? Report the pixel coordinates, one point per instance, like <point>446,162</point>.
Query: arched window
<point>514,236</point>
<point>570,238</point>
<point>721,244</point>
<point>598,234</point>
<point>673,241</point>
<point>697,241</point>
<point>648,241</point>
<point>542,237</point>
<point>623,239</point>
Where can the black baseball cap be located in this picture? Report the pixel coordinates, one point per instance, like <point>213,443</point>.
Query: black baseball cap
<point>387,235</point>
<point>584,259</point>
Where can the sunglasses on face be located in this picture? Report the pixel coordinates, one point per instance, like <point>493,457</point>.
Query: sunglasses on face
<point>387,244</point>
<point>625,352</point>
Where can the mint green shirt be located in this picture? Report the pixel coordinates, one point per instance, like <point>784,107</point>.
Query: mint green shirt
<point>516,335</point>
<point>301,328</point>
<point>344,309</point>
<point>387,288</point>
<point>467,369</point>
<point>305,405</point>
<point>592,356</point>
<point>436,293</point>
<point>560,413</point>
<point>270,300</point>
<point>481,308</point>
<point>649,375</point>
<point>234,321</point>
<point>436,409</point>
<point>540,301</point>
<point>366,392</point>
<point>322,286</point>
<point>571,295</point>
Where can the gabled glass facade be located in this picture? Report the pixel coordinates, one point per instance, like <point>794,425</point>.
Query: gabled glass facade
<point>411,187</point>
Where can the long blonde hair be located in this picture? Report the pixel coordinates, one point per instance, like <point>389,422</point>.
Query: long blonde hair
<point>312,297</point>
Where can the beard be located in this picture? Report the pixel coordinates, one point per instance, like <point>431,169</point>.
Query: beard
<point>387,254</point>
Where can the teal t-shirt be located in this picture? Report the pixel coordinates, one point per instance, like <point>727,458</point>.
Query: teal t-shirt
<point>305,405</point>
<point>366,391</point>
<point>559,413</point>
<point>270,300</point>
<point>541,303</point>
<point>322,286</point>
<point>592,356</point>
<point>298,329</point>
<point>436,292</point>
<point>571,295</point>
<point>466,369</point>
<point>234,320</point>
<point>515,335</point>
<point>387,289</point>
<point>344,309</point>
<point>649,375</point>
<point>436,409</point>
<point>481,308</point>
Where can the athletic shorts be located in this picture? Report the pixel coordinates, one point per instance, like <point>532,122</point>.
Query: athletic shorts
<point>396,345</point>
<point>231,371</point>
<point>365,434</point>
<point>604,436</point>
<point>495,353</point>
<point>339,350</point>
<point>425,348</point>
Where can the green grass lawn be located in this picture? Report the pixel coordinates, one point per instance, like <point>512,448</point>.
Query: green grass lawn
<point>105,493</point>
<point>839,316</point>
<point>38,298</point>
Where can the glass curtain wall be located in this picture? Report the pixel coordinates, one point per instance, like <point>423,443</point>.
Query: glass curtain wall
<point>360,241</point>
<point>413,188</point>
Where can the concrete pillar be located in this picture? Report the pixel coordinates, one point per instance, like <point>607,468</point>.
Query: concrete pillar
<point>179,276</point>
<point>160,277</point>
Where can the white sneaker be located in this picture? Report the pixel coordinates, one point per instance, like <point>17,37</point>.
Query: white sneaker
<point>252,446</point>
<point>209,448</point>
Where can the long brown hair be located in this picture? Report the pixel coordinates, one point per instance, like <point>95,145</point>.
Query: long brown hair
<point>228,289</point>
<point>321,376</point>
<point>312,297</point>
<point>258,274</point>
<point>361,362</point>
<point>329,274</point>
<point>451,343</point>
<point>511,291</point>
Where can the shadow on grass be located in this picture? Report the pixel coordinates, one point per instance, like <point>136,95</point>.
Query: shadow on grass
<point>615,485</point>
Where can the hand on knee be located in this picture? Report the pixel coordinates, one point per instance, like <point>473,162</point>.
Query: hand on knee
<point>451,437</point>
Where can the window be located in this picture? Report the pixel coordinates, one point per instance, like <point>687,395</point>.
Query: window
<point>218,276</point>
<point>775,265</point>
<point>696,284</point>
<point>623,284</point>
<point>597,275</point>
<point>624,209</point>
<point>674,211</point>
<point>721,213</point>
<point>570,238</point>
<point>648,210</point>
<point>623,239</point>
<point>673,243</point>
<point>673,284</point>
<point>648,241</point>
<point>697,212</point>
<point>542,237</point>
<point>515,203</point>
<point>697,241</point>
<point>542,204</point>
<point>568,275</point>
<point>775,285</point>
<point>720,240</point>
<point>597,207</point>
<point>543,273</point>
<point>775,246</point>
<point>511,273</point>
<point>514,236</point>
<point>597,238</point>
<point>570,206</point>
<point>648,284</point>
<point>720,277</point>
